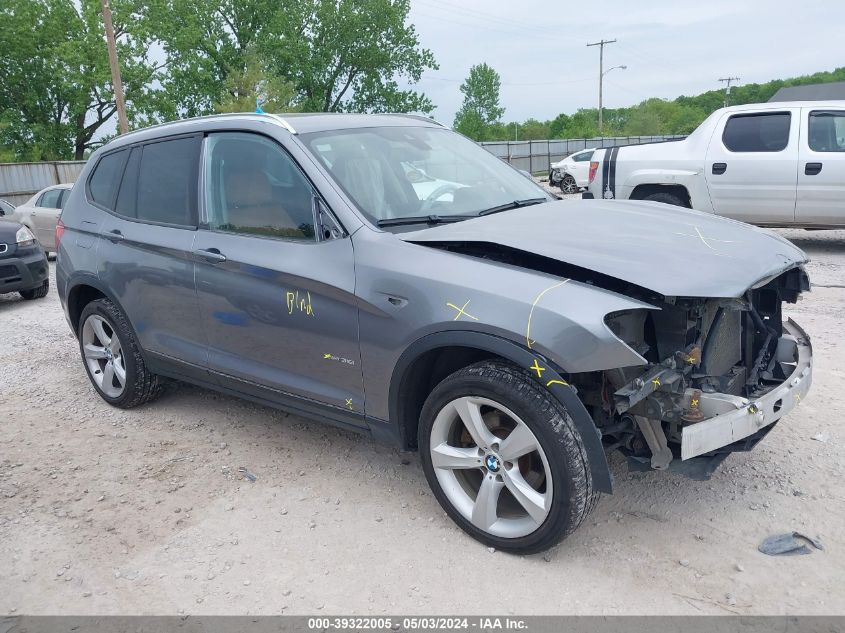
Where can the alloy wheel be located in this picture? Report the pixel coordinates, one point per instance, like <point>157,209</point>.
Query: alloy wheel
<point>568,185</point>
<point>104,355</point>
<point>491,467</point>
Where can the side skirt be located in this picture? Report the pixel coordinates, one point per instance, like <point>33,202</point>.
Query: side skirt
<point>311,409</point>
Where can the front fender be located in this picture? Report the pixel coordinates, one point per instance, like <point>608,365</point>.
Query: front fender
<point>549,378</point>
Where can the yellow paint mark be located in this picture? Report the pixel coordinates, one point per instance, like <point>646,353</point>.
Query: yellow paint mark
<point>655,382</point>
<point>326,356</point>
<point>536,367</point>
<point>461,311</point>
<point>534,303</point>
<point>349,403</point>
<point>693,403</point>
<point>557,382</point>
<point>301,304</point>
<point>797,397</point>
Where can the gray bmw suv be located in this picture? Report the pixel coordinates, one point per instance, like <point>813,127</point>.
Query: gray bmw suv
<point>386,275</point>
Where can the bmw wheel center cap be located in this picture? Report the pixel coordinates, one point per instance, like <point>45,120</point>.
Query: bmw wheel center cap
<point>493,464</point>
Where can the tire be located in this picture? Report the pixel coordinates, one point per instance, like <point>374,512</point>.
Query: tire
<point>568,184</point>
<point>36,293</point>
<point>667,198</point>
<point>509,401</point>
<point>100,322</point>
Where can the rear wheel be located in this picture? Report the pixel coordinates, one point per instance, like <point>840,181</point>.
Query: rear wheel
<point>112,357</point>
<point>667,198</point>
<point>504,459</point>
<point>568,184</point>
<point>36,293</point>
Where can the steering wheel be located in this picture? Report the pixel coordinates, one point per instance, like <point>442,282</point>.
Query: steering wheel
<point>441,191</point>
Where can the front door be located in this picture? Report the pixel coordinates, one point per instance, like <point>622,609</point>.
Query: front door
<point>821,168</point>
<point>277,299</point>
<point>750,167</point>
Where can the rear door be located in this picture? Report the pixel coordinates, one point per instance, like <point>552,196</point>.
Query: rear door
<point>44,215</point>
<point>276,295</point>
<point>751,166</point>
<point>821,168</point>
<point>580,169</point>
<point>144,254</point>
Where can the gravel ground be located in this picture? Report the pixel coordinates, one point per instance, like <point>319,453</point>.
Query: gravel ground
<point>105,511</point>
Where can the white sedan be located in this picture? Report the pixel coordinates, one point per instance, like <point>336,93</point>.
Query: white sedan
<point>41,212</point>
<point>573,172</point>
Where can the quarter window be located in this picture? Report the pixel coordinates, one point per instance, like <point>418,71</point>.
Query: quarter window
<point>106,177</point>
<point>583,156</point>
<point>254,187</point>
<point>127,197</point>
<point>827,131</point>
<point>757,132</point>
<point>167,182</point>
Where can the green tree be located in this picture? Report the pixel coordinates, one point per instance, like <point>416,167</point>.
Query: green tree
<point>337,55</point>
<point>243,88</point>
<point>480,108</point>
<point>55,82</point>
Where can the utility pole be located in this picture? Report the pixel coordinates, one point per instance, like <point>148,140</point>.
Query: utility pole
<point>728,81</point>
<point>601,44</point>
<point>123,123</point>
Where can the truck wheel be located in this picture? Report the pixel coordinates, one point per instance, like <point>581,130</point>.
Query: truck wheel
<point>667,198</point>
<point>503,458</point>
<point>36,293</point>
<point>112,357</point>
<point>568,184</point>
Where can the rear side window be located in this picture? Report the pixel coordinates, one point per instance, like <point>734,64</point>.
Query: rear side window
<point>827,131</point>
<point>50,199</point>
<point>167,182</point>
<point>105,179</point>
<point>127,197</point>
<point>757,132</point>
<point>583,156</point>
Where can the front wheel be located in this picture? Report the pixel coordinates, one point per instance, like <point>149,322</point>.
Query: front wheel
<point>504,459</point>
<point>38,292</point>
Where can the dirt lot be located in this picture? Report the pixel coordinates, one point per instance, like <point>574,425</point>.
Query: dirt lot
<point>105,511</point>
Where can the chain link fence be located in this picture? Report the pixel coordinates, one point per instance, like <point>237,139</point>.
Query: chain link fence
<point>536,156</point>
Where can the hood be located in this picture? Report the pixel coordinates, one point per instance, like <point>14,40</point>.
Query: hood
<point>8,230</point>
<point>669,250</point>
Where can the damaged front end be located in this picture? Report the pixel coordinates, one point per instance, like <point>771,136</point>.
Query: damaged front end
<point>720,372</point>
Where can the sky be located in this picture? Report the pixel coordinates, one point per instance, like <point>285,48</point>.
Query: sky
<point>670,48</point>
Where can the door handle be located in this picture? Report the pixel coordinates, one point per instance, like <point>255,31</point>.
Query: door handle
<point>719,168</point>
<point>812,169</point>
<point>114,236</point>
<point>210,255</point>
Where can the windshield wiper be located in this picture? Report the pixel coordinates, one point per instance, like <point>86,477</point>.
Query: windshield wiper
<point>422,219</point>
<point>516,204</point>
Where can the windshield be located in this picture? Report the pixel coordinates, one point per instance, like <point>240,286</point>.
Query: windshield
<point>407,172</point>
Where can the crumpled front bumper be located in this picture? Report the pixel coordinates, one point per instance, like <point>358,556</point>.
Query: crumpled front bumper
<point>733,418</point>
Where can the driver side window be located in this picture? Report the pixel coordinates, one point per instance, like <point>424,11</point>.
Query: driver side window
<point>254,187</point>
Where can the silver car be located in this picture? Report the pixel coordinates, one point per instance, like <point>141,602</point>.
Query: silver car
<point>41,213</point>
<point>509,337</point>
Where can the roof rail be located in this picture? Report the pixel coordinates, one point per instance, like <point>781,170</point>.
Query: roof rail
<point>284,123</point>
<point>208,116</point>
<point>419,117</point>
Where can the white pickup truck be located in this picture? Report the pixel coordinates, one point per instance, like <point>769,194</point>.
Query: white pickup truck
<point>772,164</point>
